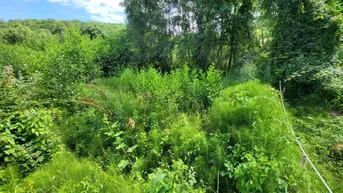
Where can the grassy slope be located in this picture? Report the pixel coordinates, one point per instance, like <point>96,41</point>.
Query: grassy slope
<point>320,130</point>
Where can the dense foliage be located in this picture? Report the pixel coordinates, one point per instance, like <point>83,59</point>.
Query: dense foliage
<point>197,33</point>
<point>303,54</point>
<point>180,99</point>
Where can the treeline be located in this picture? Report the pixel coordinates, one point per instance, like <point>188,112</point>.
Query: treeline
<point>28,26</point>
<point>297,42</point>
<point>63,53</point>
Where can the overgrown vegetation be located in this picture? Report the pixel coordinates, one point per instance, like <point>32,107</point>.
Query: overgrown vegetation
<point>183,98</point>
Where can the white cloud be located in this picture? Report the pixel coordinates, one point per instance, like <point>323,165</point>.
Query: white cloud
<point>108,11</point>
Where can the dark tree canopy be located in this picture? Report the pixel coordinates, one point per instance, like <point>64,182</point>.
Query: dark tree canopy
<point>197,32</point>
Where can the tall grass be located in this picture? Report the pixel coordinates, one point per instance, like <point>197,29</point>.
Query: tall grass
<point>65,173</point>
<point>252,115</point>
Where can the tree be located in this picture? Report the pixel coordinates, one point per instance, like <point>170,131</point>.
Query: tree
<point>92,30</point>
<point>301,28</point>
<point>115,53</point>
<point>195,32</point>
<point>17,35</point>
<point>148,30</point>
<point>306,35</point>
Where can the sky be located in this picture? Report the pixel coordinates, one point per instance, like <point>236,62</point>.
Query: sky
<point>108,11</point>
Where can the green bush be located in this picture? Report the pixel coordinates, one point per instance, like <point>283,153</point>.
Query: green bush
<point>26,136</point>
<point>61,66</point>
<point>245,73</point>
<point>179,178</point>
<point>40,39</point>
<point>115,54</point>
<point>183,89</point>
<point>16,35</point>
<point>26,139</point>
<point>260,154</point>
<point>23,60</point>
<point>68,64</point>
<point>316,85</point>
<point>253,115</point>
<point>150,98</point>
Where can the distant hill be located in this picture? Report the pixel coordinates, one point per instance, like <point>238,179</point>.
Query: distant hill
<point>58,26</point>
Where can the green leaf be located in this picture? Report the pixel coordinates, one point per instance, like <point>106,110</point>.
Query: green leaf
<point>122,164</point>
<point>159,177</point>
<point>131,149</point>
<point>121,146</point>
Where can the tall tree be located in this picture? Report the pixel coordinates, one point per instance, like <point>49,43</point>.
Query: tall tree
<point>301,29</point>
<point>196,32</point>
<point>147,27</point>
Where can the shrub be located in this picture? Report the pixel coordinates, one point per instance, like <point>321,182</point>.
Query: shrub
<point>26,139</point>
<point>245,73</point>
<point>17,35</point>
<point>115,54</point>
<point>26,136</point>
<point>67,65</point>
<point>253,115</point>
<point>260,140</point>
<point>178,178</point>
<point>320,84</point>
<point>24,61</point>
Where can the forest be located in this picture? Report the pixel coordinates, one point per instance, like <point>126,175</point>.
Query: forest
<point>186,96</point>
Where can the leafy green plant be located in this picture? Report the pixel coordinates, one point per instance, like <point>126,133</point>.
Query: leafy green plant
<point>26,135</point>
<point>24,61</point>
<point>115,53</point>
<point>178,178</point>
<point>81,133</point>
<point>252,171</point>
<point>322,80</point>
<point>27,139</point>
<point>68,64</point>
<point>17,35</point>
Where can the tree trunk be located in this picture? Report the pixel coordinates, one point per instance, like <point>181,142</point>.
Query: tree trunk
<point>231,60</point>
<point>262,37</point>
<point>232,51</point>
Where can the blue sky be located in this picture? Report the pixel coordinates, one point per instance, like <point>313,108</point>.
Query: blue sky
<point>108,11</point>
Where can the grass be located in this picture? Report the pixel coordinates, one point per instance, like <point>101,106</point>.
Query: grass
<point>65,173</point>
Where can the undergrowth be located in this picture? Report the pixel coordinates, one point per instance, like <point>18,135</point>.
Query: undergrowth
<point>144,131</point>
<point>320,131</point>
<point>65,173</point>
